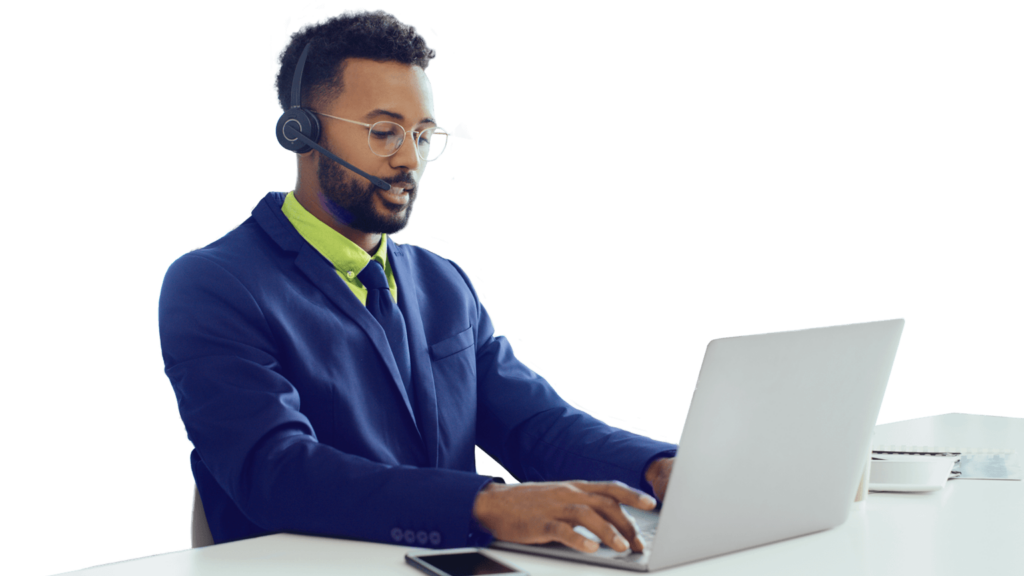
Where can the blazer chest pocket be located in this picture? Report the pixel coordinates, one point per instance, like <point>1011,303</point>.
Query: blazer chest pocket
<point>452,345</point>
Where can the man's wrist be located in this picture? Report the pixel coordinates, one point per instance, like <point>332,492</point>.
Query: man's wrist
<point>654,470</point>
<point>476,529</point>
<point>480,505</point>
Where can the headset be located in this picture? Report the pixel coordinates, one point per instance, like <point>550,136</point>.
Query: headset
<point>298,129</point>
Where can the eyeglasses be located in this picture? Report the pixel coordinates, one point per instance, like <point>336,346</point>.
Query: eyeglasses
<point>386,138</point>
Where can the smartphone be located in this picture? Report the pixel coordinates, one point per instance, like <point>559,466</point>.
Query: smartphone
<point>460,562</point>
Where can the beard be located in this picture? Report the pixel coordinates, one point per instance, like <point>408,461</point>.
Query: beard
<point>351,202</point>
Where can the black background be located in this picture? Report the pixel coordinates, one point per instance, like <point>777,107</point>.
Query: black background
<point>767,207</point>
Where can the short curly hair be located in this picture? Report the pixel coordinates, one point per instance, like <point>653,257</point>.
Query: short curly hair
<point>372,35</point>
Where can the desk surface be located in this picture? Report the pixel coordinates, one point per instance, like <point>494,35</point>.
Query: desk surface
<point>971,526</point>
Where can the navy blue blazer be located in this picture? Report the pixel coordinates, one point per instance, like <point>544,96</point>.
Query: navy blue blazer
<point>293,401</point>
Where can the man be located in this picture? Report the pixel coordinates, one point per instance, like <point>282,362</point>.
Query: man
<point>334,382</point>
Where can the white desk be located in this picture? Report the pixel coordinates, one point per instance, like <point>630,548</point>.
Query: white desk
<point>969,527</point>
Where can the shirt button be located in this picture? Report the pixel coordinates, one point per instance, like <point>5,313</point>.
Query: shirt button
<point>410,537</point>
<point>435,538</point>
<point>350,274</point>
<point>396,534</point>
<point>421,538</point>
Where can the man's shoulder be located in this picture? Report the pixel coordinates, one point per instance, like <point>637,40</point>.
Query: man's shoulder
<point>248,245</point>
<point>243,247</point>
<point>228,268</point>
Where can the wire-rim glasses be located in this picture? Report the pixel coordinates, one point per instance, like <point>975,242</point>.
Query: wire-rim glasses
<point>385,138</point>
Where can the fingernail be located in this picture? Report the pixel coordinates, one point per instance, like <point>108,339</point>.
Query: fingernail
<point>646,499</point>
<point>620,543</point>
<point>591,545</point>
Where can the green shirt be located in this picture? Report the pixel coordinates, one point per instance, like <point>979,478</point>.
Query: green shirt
<point>347,258</point>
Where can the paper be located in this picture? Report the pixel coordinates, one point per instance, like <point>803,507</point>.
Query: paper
<point>1000,466</point>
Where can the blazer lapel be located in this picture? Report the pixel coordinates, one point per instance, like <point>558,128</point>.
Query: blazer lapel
<point>422,376</point>
<point>322,274</point>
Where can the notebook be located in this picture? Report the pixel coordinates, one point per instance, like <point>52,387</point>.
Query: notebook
<point>967,463</point>
<point>773,446</point>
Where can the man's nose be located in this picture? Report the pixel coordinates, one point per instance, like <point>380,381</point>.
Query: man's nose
<point>406,156</point>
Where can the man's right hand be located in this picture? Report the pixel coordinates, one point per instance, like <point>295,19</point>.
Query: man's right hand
<point>540,512</point>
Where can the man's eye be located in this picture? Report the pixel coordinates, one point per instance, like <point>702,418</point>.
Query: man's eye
<point>382,134</point>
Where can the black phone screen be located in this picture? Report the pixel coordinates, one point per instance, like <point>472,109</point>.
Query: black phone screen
<point>465,564</point>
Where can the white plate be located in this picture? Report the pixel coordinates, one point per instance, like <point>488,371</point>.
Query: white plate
<point>909,475</point>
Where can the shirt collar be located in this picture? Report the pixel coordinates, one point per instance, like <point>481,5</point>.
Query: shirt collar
<point>346,257</point>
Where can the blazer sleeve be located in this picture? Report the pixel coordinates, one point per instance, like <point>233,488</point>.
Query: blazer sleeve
<point>536,435</point>
<point>244,419</point>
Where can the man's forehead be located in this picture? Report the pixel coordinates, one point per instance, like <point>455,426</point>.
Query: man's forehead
<point>385,114</point>
<point>374,87</point>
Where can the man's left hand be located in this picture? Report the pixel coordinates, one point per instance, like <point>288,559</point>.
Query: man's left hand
<point>657,475</point>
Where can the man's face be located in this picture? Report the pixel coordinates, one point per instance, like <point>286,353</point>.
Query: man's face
<point>374,91</point>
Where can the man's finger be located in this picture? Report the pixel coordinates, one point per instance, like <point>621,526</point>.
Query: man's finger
<point>637,543</point>
<point>604,528</point>
<point>623,521</point>
<point>563,532</point>
<point>607,496</point>
<point>620,492</point>
<point>604,517</point>
<point>627,495</point>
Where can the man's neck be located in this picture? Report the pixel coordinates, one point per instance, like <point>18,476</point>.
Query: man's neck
<point>369,242</point>
<point>378,246</point>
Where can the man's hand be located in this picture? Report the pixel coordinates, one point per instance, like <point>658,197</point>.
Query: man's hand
<point>540,512</point>
<point>657,475</point>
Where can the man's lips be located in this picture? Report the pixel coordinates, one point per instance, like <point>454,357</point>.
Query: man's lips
<point>396,195</point>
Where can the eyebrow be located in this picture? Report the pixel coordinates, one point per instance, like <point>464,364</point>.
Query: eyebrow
<point>395,115</point>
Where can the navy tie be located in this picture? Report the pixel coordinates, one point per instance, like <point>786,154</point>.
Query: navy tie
<point>382,307</point>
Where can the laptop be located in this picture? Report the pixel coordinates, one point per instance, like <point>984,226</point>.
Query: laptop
<point>774,445</point>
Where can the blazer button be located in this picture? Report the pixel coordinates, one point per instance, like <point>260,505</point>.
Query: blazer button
<point>421,538</point>
<point>435,537</point>
<point>396,534</point>
<point>410,537</point>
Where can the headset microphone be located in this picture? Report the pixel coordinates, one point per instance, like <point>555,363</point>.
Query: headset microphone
<point>298,129</point>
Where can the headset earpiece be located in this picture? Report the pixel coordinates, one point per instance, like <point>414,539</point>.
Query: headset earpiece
<point>298,118</point>
<point>301,120</point>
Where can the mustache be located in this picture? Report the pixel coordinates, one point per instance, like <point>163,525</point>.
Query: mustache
<point>413,188</point>
<point>401,179</point>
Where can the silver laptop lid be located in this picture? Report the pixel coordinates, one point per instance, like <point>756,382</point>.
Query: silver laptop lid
<point>776,437</point>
